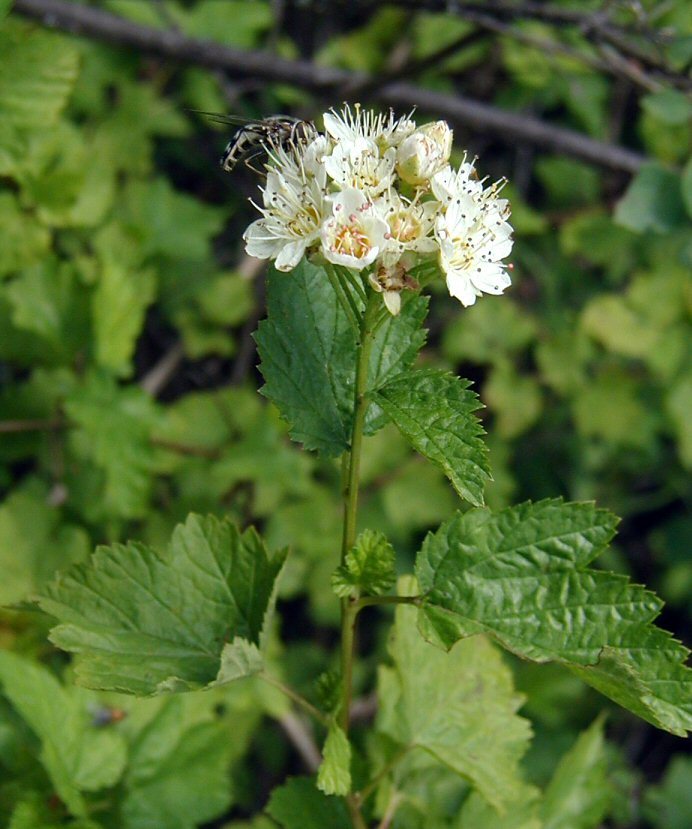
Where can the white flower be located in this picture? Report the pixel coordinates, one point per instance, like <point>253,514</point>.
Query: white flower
<point>358,164</point>
<point>294,207</point>
<point>349,125</point>
<point>411,224</point>
<point>354,235</point>
<point>424,153</point>
<point>473,233</point>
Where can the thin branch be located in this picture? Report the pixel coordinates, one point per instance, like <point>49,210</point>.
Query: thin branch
<point>595,26</point>
<point>8,427</point>
<point>461,111</point>
<point>301,739</point>
<point>159,375</point>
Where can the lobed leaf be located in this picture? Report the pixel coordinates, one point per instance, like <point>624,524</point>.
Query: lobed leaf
<point>308,346</point>
<point>459,706</point>
<point>434,411</point>
<point>522,576</point>
<point>143,623</point>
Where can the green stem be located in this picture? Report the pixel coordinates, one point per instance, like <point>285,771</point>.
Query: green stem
<point>348,607</point>
<point>366,601</point>
<point>299,700</point>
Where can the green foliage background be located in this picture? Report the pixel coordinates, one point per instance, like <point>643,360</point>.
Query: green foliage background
<point>128,393</point>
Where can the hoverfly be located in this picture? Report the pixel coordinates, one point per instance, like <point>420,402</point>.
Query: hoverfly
<point>255,138</point>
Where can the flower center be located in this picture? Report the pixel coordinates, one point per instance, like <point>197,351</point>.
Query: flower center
<point>351,240</point>
<point>305,222</point>
<point>404,226</point>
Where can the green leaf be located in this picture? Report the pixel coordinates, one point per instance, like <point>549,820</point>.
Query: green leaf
<point>118,305</point>
<point>579,793</point>
<point>308,353</point>
<point>515,400</point>
<point>669,805</point>
<point>77,756</point>
<point>687,187</point>
<point>459,706</point>
<point>48,301</point>
<point>37,72</point>
<point>178,770</point>
<point>32,813</point>
<point>334,774</point>
<point>434,410</point>
<point>652,202</point>
<point>113,427</point>
<point>679,404</point>
<point>368,568</point>
<point>670,106</point>
<point>521,575</point>
<point>143,623</point>
<point>519,814</point>
<point>170,223</point>
<point>25,241</point>
<point>34,543</point>
<point>299,805</point>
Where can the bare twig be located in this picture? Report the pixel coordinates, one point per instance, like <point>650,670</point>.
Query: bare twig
<point>458,110</point>
<point>158,376</point>
<point>298,733</point>
<point>8,427</point>
<point>640,42</point>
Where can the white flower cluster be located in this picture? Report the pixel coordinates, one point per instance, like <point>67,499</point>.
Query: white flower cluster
<point>378,193</point>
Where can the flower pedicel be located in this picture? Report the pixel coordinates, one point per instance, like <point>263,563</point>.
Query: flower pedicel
<point>377,194</point>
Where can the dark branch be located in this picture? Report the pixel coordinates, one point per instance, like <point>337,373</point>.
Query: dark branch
<point>458,110</point>
<point>639,42</point>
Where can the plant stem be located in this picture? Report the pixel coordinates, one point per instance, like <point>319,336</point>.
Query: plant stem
<point>299,700</point>
<point>368,601</point>
<point>348,607</point>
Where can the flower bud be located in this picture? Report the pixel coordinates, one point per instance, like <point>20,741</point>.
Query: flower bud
<point>424,153</point>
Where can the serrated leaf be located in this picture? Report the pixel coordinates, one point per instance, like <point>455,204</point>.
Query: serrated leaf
<point>334,773</point>
<point>118,305</point>
<point>368,567</point>
<point>308,353</point>
<point>579,792</point>
<point>522,576</point>
<point>460,706</point>
<point>434,410</point>
<point>143,623</point>
<point>299,805</point>
<point>113,428</point>
<point>37,72</point>
<point>77,756</point>
<point>34,543</point>
<point>178,769</point>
